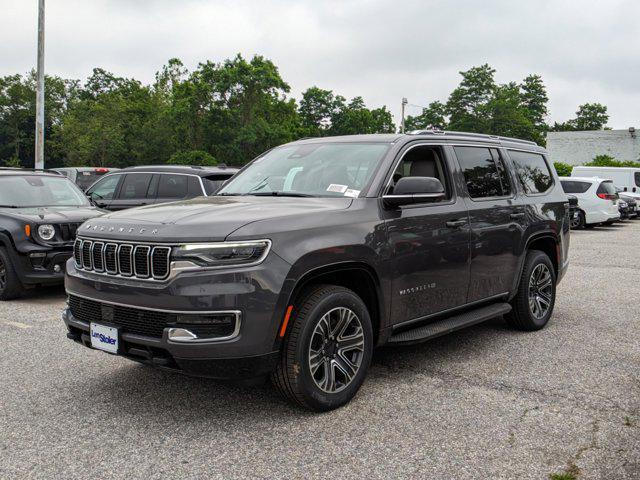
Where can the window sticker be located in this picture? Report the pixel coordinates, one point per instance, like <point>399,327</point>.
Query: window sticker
<point>334,187</point>
<point>351,193</point>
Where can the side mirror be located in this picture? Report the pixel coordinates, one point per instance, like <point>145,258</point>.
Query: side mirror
<point>410,190</point>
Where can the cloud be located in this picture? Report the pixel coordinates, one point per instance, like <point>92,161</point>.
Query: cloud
<point>381,50</point>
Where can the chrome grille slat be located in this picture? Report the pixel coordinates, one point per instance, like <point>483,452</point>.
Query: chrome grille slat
<point>146,262</point>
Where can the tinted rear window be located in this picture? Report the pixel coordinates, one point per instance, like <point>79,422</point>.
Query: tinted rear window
<point>532,170</point>
<point>135,186</point>
<point>636,176</point>
<point>85,179</point>
<point>173,186</point>
<point>571,186</point>
<point>213,183</point>
<point>607,187</point>
<point>484,172</point>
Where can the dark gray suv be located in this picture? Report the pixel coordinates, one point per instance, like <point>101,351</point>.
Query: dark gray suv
<point>320,250</point>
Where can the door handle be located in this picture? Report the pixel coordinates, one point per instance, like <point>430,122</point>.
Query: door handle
<point>517,215</point>
<point>456,223</point>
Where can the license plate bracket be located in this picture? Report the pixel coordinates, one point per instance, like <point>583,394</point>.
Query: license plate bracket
<point>105,337</point>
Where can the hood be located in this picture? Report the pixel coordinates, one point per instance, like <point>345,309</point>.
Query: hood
<point>203,218</point>
<point>52,214</point>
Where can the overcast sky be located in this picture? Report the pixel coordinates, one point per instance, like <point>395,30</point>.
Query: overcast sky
<point>586,51</point>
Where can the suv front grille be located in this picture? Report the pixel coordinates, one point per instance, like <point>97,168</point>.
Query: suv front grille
<point>123,259</point>
<point>140,321</point>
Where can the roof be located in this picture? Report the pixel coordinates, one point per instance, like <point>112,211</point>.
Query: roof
<point>586,179</point>
<point>192,170</point>
<point>507,142</point>
<point>6,171</point>
<point>85,169</point>
<point>615,169</point>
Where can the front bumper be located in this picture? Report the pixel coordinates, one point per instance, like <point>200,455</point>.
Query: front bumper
<point>258,293</point>
<point>45,267</point>
<point>161,353</point>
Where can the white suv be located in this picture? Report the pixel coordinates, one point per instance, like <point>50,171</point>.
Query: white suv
<point>597,200</point>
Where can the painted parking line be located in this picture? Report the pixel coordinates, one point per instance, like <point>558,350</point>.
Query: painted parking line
<point>17,324</point>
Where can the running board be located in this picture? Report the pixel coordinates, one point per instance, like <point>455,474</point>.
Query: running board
<point>450,324</point>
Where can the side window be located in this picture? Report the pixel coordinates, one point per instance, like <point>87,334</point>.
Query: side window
<point>636,177</point>
<point>213,183</point>
<point>173,186</point>
<point>135,186</point>
<point>484,172</point>
<point>532,171</point>
<point>422,161</point>
<point>105,188</point>
<point>571,186</point>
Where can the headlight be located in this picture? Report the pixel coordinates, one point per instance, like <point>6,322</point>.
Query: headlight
<point>224,253</point>
<point>46,232</point>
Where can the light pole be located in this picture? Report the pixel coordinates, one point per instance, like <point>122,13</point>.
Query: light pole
<point>404,103</point>
<point>39,160</point>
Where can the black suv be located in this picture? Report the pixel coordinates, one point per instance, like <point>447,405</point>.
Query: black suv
<point>39,215</point>
<point>138,186</point>
<point>321,249</point>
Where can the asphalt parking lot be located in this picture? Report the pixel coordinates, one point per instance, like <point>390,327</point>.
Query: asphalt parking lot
<point>483,403</point>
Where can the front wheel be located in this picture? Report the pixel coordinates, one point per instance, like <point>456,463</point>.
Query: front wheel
<point>327,349</point>
<point>10,286</point>
<point>578,222</point>
<point>534,302</point>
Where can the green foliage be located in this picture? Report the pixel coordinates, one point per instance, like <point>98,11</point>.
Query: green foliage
<point>434,116</point>
<point>563,169</point>
<point>608,161</point>
<point>193,157</point>
<point>590,116</point>
<point>13,162</point>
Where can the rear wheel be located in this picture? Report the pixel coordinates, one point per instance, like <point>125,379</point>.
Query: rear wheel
<point>327,350</point>
<point>578,222</point>
<point>10,286</point>
<point>534,302</point>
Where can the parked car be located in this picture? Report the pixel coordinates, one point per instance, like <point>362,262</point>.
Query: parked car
<point>597,198</point>
<point>627,178</point>
<point>321,249</point>
<point>138,186</point>
<point>39,215</point>
<point>632,200</point>
<point>574,211</point>
<point>623,209</point>
<point>84,177</point>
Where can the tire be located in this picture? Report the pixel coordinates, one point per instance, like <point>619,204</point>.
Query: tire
<point>526,315</point>
<point>578,223</point>
<point>295,376</point>
<point>10,285</point>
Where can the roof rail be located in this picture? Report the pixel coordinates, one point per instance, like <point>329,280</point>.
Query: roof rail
<point>435,131</point>
<point>43,170</point>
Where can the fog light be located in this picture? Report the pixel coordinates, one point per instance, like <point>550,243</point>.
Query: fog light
<point>37,259</point>
<point>181,335</point>
<point>57,268</point>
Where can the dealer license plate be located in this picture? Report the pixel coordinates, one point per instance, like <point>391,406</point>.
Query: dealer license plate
<point>104,338</point>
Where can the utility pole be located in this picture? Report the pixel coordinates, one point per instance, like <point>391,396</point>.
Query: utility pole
<point>39,160</point>
<point>404,103</point>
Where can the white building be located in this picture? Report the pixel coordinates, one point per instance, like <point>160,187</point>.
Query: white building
<point>578,148</point>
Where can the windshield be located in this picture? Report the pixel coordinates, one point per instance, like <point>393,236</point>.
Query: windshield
<point>321,169</point>
<point>36,191</point>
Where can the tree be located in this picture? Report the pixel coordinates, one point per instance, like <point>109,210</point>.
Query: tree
<point>534,100</point>
<point>563,169</point>
<point>317,108</point>
<point>508,117</point>
<point>431,117</point>
<point>591,116</point>
<point>193,157</point>
<point>467,104</point>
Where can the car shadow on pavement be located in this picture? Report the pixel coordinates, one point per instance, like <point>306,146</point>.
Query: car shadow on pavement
<point>136,390</point>
<point>43,294</point>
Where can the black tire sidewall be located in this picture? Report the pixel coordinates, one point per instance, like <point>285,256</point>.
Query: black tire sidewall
<point>534,259</point>
<point>12,286</point>
<point>313,395</point>
<point>581,221</point>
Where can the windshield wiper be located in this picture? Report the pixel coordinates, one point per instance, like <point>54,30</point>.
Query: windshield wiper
<point>10,206</point>
<point>279,194</point>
